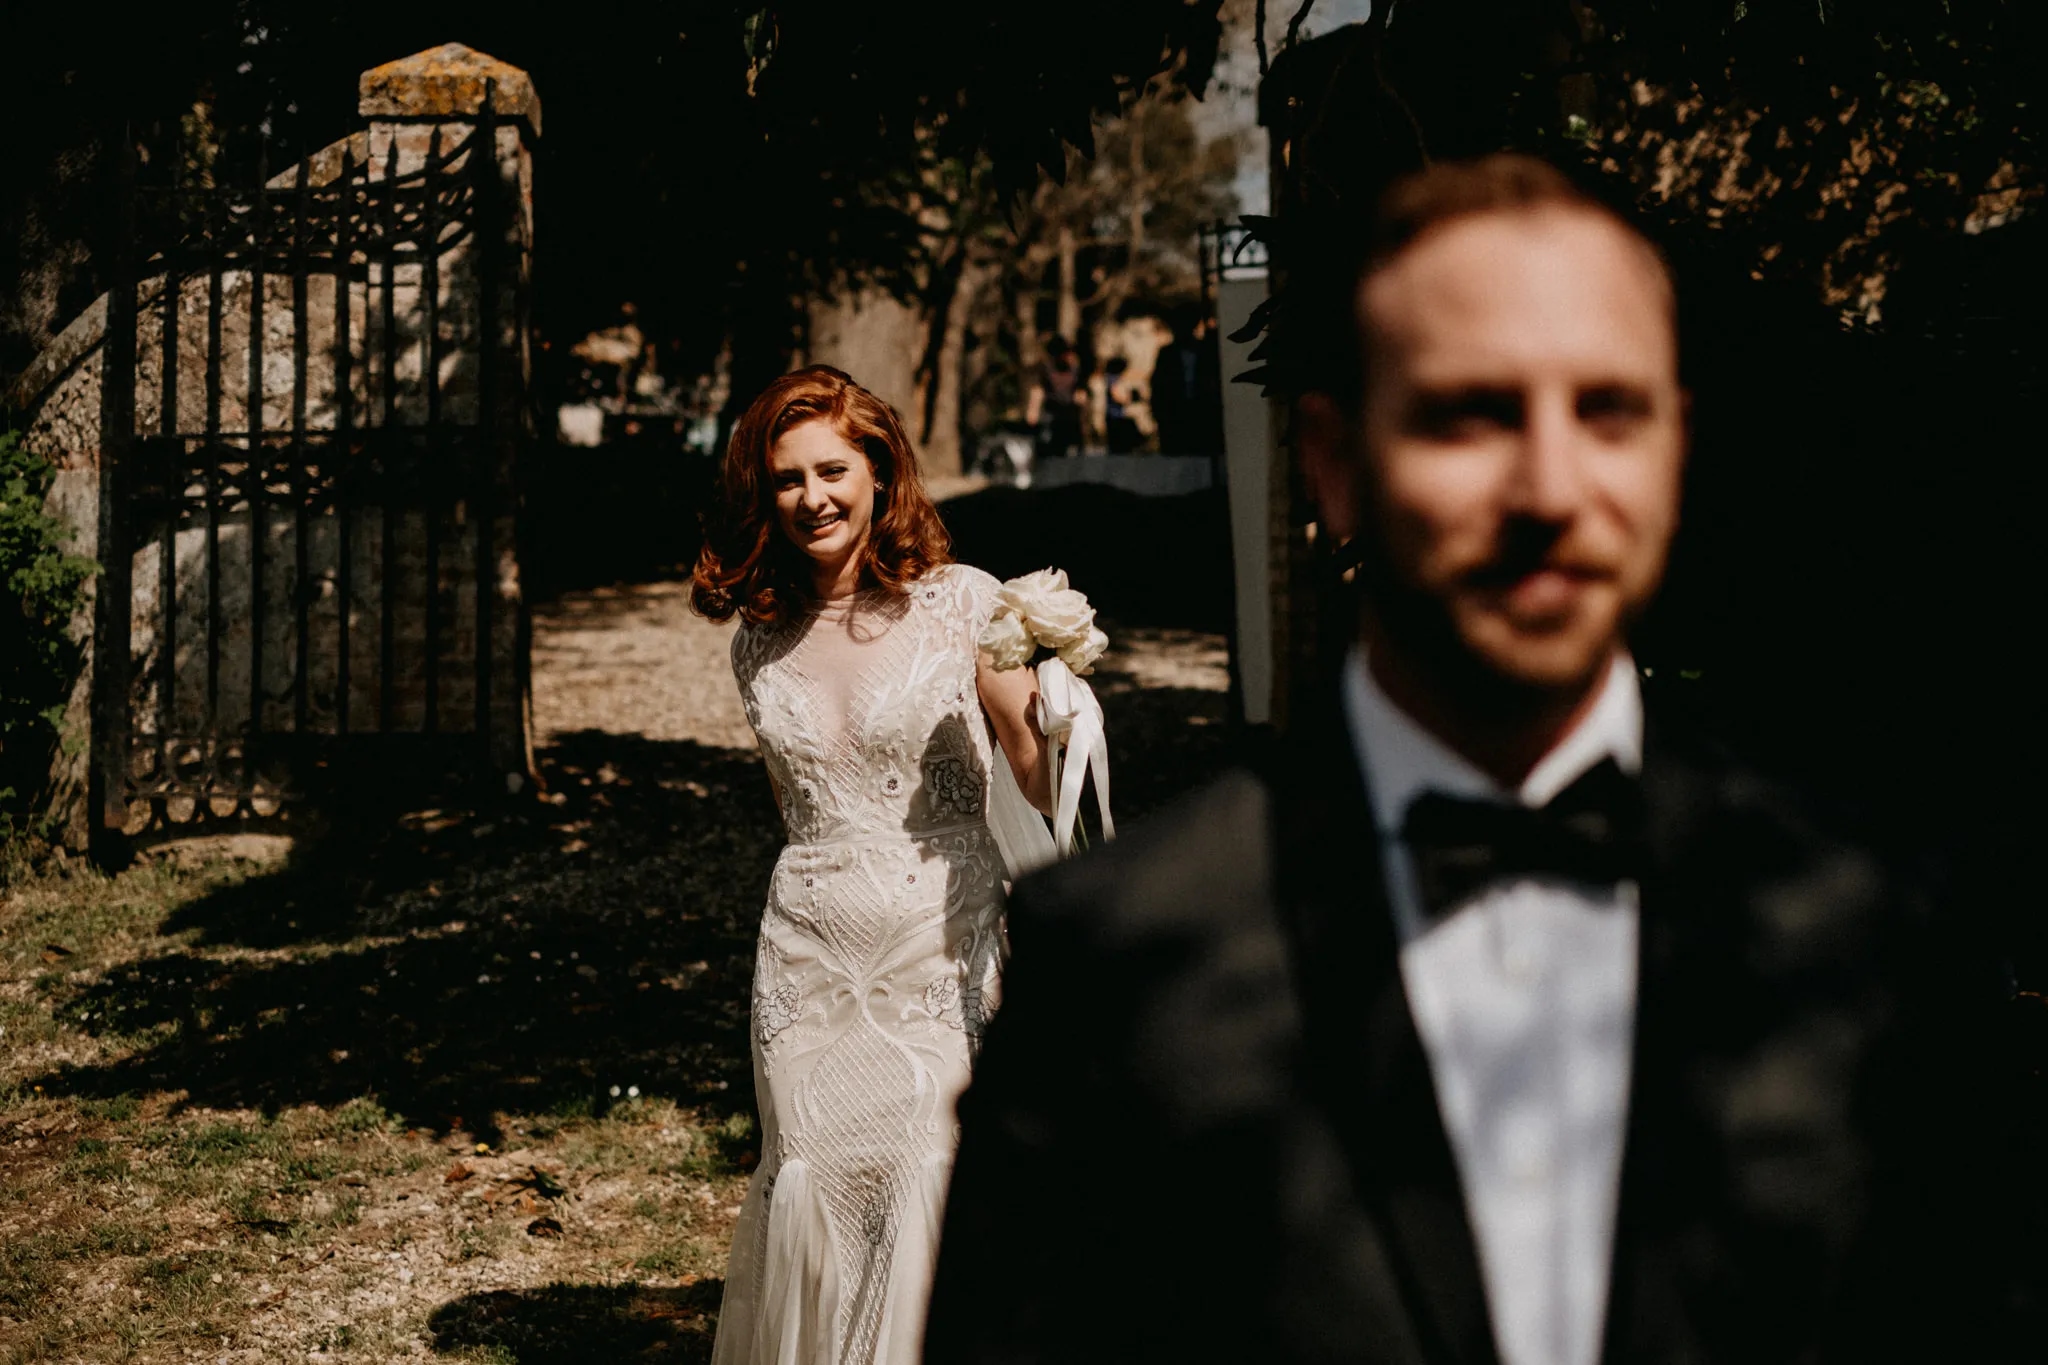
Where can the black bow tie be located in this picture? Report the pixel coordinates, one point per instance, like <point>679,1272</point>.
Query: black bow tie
<point>1591,832</point>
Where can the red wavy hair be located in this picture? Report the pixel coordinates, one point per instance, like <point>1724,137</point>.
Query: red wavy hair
<point>747,566</point>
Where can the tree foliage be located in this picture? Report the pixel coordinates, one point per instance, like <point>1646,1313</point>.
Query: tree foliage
<point>710,160</point>
<point>1819,146</point>
<point>42,588</point>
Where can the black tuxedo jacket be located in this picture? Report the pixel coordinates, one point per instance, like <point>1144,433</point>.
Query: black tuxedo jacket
<point>1203,1127</point>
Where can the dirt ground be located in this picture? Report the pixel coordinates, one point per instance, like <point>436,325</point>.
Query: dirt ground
<point>464,1078</point>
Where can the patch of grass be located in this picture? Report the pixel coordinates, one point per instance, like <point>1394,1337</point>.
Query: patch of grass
<point>573,1109</point>
<point>95,1161</point>
<point>222,1144</point>
<point>486,1355</point>
<point>310,1168</point>
<point>672,1259</point>
<point>359,1116</point>
<point>345,1212</point>
<point>482,1241</point>
<point>187,1284</point>
<point>717,1151</point>
<point>112,1109</point>
<point>32,1267</point>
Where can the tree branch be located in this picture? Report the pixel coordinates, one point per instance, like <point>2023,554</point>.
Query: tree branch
<point>1294,24</point>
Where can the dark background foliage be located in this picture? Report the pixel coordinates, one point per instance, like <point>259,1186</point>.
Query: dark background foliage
<point>1849,194</point>
<point>707,159</point>
<point>42,587</point>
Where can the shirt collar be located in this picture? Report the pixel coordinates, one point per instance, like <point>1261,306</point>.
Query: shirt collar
<point>1401,760</point>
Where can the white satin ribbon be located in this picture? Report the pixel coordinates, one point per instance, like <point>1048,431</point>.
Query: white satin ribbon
<point>1077,745</point>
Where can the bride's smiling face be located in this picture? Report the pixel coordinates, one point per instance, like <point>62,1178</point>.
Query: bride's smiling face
<point>824,491</point>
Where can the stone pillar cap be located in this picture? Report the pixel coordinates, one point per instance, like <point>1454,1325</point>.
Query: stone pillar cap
<point>448,79</point>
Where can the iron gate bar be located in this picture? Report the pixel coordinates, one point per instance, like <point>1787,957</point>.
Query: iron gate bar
<point>216,210</point>
<point>344,400</point>
<point>167,549</point>
<point>430,326</point>
<point>166,567</point>
<point>255,476</point>
<point>387,549</point>
<point>301,483</point>
<point>114,599</point>
<point>488,225</point>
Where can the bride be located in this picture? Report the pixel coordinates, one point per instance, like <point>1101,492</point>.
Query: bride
<point>857,660</point>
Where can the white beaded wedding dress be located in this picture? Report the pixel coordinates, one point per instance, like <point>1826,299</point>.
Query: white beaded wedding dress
<point>876,967</point>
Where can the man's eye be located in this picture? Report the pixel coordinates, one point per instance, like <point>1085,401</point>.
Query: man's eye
<point>1466,414</point>
<point>1613,405</point>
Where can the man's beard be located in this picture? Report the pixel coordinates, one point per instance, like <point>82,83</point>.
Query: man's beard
<point>1420,627</point>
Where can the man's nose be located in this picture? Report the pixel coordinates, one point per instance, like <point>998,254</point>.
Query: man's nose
<point>1547,481</point>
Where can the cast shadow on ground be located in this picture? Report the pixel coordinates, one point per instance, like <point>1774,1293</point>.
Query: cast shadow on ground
<point>572,1324</point>
<point>469,956</point>
<point>464,956</point>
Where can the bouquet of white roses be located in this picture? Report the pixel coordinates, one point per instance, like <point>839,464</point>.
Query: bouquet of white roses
<point>1039,611</point>
<point>1036,614</point>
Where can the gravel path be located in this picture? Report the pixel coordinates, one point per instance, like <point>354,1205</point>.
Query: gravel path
<point>635,660</point>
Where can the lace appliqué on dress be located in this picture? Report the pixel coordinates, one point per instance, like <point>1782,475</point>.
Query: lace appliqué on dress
<point>954,784</point>
<point>776,1010</point>
<point>942,1001</point>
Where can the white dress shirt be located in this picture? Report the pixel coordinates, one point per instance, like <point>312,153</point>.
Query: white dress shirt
<point>1525,1001</point>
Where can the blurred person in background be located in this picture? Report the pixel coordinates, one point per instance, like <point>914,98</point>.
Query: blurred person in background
<point>1056,403</point>
<point>1122,397</point>
<point>1186,402</point>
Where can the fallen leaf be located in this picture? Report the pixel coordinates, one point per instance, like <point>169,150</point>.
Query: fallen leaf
<point>55,952</point>
<point>457,1174</point>
<point>544,1227</point>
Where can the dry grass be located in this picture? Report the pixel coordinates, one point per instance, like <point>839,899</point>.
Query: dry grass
<point>465,1079</point>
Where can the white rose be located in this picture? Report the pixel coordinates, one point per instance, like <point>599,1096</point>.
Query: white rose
<point>1008,641</point>
<point>1081,656</point>
<point>1060,619</point>
<point>1020,593</point>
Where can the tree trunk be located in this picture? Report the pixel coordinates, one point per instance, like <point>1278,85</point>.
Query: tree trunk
<point>943,453</point>
<point>879,340</point>
<point>1069,324</point>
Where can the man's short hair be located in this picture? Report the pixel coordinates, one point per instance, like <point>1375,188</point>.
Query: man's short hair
<point>1418,203</point>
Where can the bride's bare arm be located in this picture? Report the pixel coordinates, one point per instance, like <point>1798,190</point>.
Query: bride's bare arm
<point>1010,697</point>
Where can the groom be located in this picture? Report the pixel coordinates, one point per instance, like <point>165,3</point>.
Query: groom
<point>1499,1022</point>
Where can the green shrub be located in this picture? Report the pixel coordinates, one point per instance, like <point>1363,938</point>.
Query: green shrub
<point>41,589</point>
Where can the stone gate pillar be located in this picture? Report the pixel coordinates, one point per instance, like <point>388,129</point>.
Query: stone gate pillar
<point>414,107</point>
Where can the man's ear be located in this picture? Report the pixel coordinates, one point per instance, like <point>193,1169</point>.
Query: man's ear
<point>1329,462</point>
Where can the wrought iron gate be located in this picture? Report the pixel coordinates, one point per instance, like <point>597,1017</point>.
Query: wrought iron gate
<point>312,399</point>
